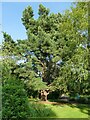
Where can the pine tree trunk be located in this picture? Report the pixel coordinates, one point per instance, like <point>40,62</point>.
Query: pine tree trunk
<point>44,94</point>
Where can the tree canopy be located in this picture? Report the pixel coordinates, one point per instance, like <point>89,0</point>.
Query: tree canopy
<point>55,54</point>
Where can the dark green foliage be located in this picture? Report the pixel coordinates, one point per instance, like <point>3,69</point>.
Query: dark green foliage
<point>55,38</point>
<point>27,16</point>
<point>43,10</point>
<point>15,103</point>
<point>8,46</point>
<point>84,99</point>
<point>42,43</point>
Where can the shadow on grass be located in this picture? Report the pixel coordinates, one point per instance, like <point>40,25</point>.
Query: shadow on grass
<point>84,108</point>
<point>41,111</point>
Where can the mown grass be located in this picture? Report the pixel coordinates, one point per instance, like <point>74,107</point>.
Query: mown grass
<point>39,110</point>
<point>70,111</point>
<point>59,111</point>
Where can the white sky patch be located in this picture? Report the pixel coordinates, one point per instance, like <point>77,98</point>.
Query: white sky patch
<point>20,61</point>
<point>0,57</point>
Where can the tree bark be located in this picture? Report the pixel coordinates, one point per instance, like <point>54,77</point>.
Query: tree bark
<point>44,94</point>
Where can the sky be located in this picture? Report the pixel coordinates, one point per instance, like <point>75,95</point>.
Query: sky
<point>12,12</point>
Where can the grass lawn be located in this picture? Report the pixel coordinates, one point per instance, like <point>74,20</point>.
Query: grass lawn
<point>59,110</point>
<point>65,110</point>
<point>69,111</point>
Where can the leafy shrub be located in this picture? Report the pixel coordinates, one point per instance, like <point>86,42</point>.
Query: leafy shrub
<point>14,100</point>
<point>15,103</point>
<point>84,100</point>
<point>81,100</point>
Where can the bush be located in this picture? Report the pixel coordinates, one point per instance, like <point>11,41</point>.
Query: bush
<point>84,100</point>
<point>14,100</point>
<point>15,103</point>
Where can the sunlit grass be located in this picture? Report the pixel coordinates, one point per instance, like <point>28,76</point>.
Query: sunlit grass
<point>70,111</point>
<point>58,110</point>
